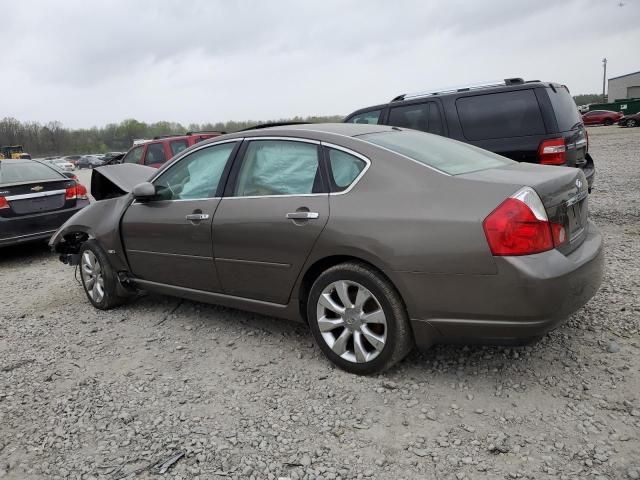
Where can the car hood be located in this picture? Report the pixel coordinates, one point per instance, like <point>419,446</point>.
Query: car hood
<point>116,180</point>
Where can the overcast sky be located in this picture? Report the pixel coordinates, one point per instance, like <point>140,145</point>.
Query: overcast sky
<point>89,62</point>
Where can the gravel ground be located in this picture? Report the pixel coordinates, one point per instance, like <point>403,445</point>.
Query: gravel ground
<point>86,394</point>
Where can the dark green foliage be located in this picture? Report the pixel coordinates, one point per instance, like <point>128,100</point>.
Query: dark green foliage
<point>587,98</point>
<point>54,139</point>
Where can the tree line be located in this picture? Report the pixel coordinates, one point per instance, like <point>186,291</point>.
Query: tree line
<point>53,138</point>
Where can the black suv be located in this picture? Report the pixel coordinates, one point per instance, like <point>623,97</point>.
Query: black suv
<point>527,121</point>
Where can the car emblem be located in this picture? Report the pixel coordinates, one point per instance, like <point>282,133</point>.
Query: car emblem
<point>579,183</point>
<point>37,188</point>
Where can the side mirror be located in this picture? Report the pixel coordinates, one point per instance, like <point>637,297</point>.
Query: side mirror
<point>144,191</point>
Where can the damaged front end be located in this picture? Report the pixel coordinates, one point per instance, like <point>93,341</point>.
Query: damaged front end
<point>100,221</point>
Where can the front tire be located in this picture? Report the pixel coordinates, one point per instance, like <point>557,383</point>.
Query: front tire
<point>631,123</point>
<point>608,122</point>
<point>358,319</point>
<point>98,278</point>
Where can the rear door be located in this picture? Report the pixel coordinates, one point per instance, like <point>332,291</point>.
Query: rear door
<point>275,206</point>
<point>168,239</point>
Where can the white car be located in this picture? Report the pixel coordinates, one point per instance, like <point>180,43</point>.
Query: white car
<point>63,165</point>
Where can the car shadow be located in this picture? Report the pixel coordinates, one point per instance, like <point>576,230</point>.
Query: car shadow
<point>444,362</point>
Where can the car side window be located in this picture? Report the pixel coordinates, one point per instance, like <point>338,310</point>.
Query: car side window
<point>410,116</point>
<point>155,154</point>
<point>345,168</point>
<point>195,176</point>
<point>177,146</point>
<point>134,155</point>
<point>500,115</point>
<point>420,116</point>
<point>370,117</point>
<point>279,167</point>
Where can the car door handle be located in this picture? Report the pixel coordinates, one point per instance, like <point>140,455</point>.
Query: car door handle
<point>197,216</point>
<point>303,215</point>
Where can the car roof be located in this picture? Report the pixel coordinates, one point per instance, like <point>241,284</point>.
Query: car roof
<point>343,129</point>
<point>426,96</point>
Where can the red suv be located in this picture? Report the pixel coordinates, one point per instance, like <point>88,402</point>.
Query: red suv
<point>601,117</point>
<point>156,152</point>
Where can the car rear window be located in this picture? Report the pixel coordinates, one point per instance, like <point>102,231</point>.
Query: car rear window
<point>565,108</point>
<point>444,154</point>
<point>18,172</point>
<point>500,115</point>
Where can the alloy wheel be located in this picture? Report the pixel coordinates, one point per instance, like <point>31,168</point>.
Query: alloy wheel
<point>92,276</point>
<point>351,321</point>
<point>631,123</point>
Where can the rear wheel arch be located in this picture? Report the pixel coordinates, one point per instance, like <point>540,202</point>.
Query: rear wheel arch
<point>312,273</point>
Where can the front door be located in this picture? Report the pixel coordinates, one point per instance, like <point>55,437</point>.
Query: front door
<point>266,225</point>
<point>168,239</point>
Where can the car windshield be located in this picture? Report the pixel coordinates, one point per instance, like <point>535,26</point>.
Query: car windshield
<point>18,172</point>
<point>446,155</point>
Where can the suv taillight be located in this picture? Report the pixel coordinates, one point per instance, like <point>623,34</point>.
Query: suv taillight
<point>3,203</point>
<point>552,152</point>
<point>78,191</point>
<point>519,226</point>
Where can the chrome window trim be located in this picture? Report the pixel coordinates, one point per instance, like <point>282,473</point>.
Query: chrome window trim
<point>25,196</point>
<point>355,154</point>
<point>378,146</point>
<point>279,196</point>
<point>155,202</point>
<point>290,139</point>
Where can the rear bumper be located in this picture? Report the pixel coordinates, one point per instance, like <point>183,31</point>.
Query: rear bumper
<point>529,296</point>
<point>39,226</point>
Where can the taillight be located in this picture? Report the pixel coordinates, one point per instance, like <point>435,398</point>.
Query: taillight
<point>3,203</point>
<point>552,152</point>
<point>78,191</point>
<point>519,226</point>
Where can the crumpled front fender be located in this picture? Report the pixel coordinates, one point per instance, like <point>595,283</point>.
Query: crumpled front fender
<point>99,221</point>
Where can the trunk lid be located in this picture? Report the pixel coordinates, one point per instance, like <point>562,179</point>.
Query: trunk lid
<point>35,197</point>
<point>563,191</point>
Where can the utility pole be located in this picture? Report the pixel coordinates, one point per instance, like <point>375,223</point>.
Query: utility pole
<point>604,78</point>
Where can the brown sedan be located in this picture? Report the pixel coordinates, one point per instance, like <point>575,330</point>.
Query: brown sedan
<point>380,238</point>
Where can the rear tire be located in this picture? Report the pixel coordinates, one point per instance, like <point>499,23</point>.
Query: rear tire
<point>608,122</point>
<point>358,319</point>
<point>98,277</point>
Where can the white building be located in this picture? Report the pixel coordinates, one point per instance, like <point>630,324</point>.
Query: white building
<point>624,86</point>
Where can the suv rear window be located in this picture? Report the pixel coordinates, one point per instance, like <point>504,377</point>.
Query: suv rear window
<point>500,115</point>
<point>16,172</point>
<point>446,155</point>
<point>565,108</point>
